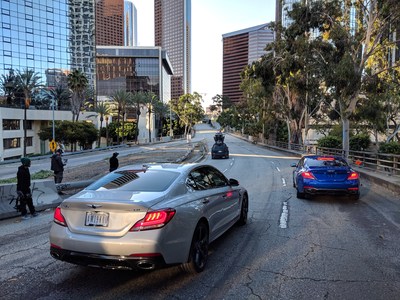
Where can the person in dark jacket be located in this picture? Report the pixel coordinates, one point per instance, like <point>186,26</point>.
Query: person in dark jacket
<point>24,189</point>
<point>57,165</point>
<point>114,164</point>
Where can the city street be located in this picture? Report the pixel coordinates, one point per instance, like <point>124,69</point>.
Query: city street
<point>326,247</point>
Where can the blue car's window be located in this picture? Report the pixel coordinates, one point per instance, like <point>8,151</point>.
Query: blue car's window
<point>334,162</point>
<point>136,180</point>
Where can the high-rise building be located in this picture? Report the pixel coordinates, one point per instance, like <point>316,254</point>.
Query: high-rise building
<point>116,23</point>
<point>49,37</point>
<point>172,26</point>
<point>241,48</point>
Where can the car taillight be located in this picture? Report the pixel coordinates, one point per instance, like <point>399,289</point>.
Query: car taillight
<point>154,220</point>
<point>307,175</point>
<point>59,218</point>
<point>353,176</point>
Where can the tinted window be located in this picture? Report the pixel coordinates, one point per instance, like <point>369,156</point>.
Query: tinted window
<point>206,178</point>
<point>334,162</point>
<point>136,180</point>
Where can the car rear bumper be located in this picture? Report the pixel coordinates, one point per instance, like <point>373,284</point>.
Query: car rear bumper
<point>327,191</point>
<point>108,261</point>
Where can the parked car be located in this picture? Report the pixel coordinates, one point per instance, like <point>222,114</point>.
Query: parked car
<point>325,174</point>
<point>145,217</point>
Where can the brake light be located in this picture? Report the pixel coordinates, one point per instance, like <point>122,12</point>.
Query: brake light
<point>59,218</point>
<point>353,176</point>
<point>154,220</point>
<point>326,158</point>
<point>307,175</point>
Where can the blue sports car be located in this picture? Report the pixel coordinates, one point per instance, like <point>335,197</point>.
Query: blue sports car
<point>325,174</point>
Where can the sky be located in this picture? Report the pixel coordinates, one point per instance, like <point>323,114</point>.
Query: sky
<point>210,20</point>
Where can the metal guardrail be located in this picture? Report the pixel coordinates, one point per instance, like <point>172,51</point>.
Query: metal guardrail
<point>388,164</point>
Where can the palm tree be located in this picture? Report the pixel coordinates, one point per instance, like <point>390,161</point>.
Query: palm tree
<point>78,83</point>
<point>121,98</point>
<point>59,96</point>
<point>28,82</point>
<point>7,85</point>
<point>103,109</point>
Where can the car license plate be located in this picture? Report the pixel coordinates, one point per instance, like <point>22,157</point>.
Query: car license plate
<point>97,219</point>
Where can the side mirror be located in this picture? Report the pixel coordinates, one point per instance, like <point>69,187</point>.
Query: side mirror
<point>233,182</point>
<point>294,165</point>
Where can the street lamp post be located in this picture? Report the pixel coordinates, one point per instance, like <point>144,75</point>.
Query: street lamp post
<point>107,130</point>
<point>26,106</point>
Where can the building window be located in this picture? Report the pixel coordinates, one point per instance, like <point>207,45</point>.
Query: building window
<point>6,39</point>
<point>28,124</point>
<point>7,53</point>
<point>6,25</point>
<point>28,17</point>
<point>28,3</point>
<point>12,143</point>
<point>30,56</point>
<point>11,124</point>
<point>30,44</point>
<point>5,12</point>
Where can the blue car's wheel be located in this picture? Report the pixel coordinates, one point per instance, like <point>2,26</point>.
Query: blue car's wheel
<point>300,195</point>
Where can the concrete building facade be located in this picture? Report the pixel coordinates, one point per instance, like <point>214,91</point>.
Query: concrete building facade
<point>241,48</point>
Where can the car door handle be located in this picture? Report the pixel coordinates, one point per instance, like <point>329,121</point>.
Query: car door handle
<point>206,200</point>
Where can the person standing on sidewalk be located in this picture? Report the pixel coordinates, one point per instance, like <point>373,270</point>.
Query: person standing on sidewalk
<point>57,165</point>
<point>24,189</point>
<point>114,163</point>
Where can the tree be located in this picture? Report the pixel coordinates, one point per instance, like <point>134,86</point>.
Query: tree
<point>121,98</point>
<point>103,109</point>
<point>188,109</point>
<point>59,96</point>
<point>222,101</point>
<point>29,82</point>
<point>78,83</point>
<point>354,40</point>
<point>8,86</point>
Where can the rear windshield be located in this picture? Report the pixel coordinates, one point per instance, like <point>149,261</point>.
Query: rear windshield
<point>326,162</point>
<point>136,180</point>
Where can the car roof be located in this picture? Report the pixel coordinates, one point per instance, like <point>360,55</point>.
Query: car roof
<point>314,156</point>
<point>181,168</point>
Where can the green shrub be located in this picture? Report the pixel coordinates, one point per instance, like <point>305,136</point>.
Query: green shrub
<point>330,142</point>
<point>359,142</point>
<point>391,148</point>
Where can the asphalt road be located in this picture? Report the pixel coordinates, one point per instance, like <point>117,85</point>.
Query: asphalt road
<point>321,248</point>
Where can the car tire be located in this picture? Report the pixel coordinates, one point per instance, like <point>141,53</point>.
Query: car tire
<point>198,253</point>
<point>244,211</point>
<point>300,195</point>
<point>355,197</point>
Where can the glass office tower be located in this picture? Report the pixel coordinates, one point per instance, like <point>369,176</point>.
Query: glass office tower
<point>52,37</point>
<point>172,29</point>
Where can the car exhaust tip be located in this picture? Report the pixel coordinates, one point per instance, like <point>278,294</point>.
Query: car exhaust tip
<point>146,265</point>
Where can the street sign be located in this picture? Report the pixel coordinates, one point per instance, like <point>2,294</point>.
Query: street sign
<point>53,146</point>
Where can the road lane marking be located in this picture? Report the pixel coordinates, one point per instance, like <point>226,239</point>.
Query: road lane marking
<point>283,220</point>
<point>283,182</point>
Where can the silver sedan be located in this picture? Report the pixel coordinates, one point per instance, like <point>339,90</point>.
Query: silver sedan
<point>144,217</point>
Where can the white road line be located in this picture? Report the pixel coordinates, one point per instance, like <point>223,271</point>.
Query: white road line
<point>278,169</point>
<point>283,182</point>
<point>284,216</point>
